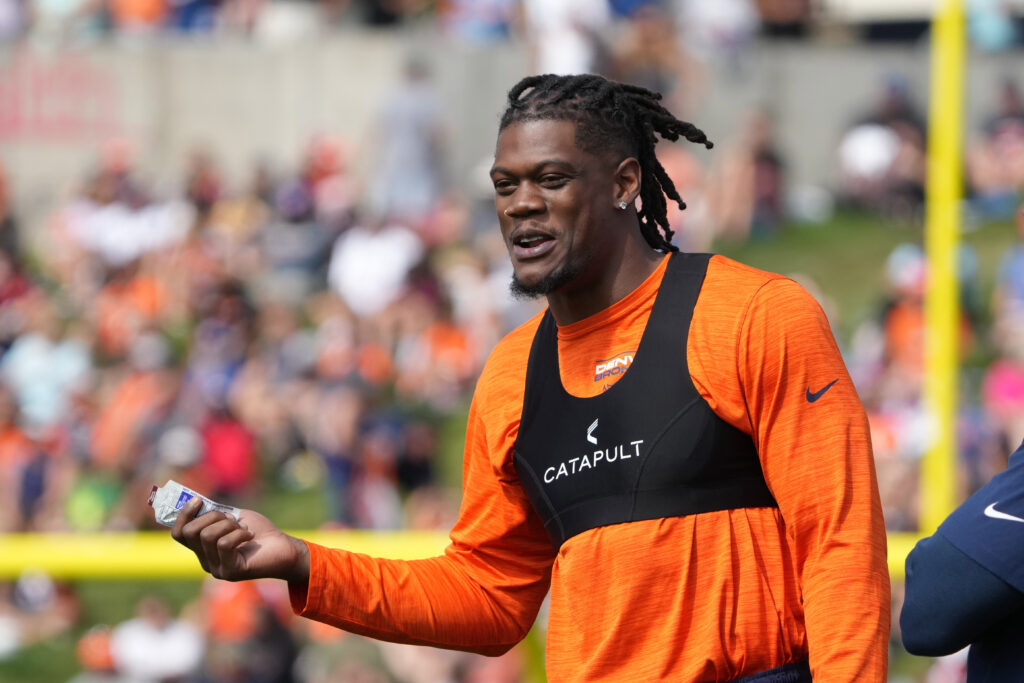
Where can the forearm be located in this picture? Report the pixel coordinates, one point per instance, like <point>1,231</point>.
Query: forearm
<point>840,545</point>
<point>951,600</point>
<point>847,616</point>
<point>427,602</point>
<point>842,559</point>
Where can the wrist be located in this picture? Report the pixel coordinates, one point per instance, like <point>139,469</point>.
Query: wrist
<point>299,571</point>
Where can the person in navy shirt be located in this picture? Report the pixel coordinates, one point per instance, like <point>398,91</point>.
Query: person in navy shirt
<point>965,583</point>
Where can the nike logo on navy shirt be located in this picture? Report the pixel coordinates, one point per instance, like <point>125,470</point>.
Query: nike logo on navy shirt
<point>815,395</point>
<point>991,511</point>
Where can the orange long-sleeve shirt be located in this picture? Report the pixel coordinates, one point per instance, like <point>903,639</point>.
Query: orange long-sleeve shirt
<point>706,597</point>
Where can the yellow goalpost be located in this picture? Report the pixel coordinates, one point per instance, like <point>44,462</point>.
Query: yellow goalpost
<point>942,301</point>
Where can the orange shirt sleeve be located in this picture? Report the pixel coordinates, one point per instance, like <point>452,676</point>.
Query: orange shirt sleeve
<point>764,358</point>
<point>484,592</point>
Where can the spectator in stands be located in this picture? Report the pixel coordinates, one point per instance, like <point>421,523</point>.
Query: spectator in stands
<point>566,36</point>
<point>650,53</point>
<point>409,174</point>
<point>1002,391</point>
<point>718,30</point>
<point>192,16</point>
<point>1008,294</point>
<point>204,184</point>
<point>16,290</point>
<point>335,191</point>
<point>290,246</point>
<point>139,402</point>
<point>748,185</point>
<point>116,218</point>
<point>219,348</point>
<point>156,645</point>
<point>882,155</point>
<point>44,366</point>
<point>784,18</point>
<point>34,608</point>
<point>1003,385</point>
<point>370,262</point>
<point>16,451</point>
<point>129,303</point>
<point>995,159</point>
<point>386,13</point>
<point>247,633</point>
<point>229,455</point>
<point>991,25</point>
<point>479,21</point>
<point>138,19</point>
<point>94,657</point>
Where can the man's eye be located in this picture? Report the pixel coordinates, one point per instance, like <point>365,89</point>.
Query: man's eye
<point>504,186</point>
<point>553,180</point>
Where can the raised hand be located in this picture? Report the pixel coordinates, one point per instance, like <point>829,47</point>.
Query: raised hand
<point>249,548</point>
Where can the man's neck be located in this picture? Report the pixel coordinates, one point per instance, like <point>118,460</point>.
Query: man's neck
<point>581,300</point>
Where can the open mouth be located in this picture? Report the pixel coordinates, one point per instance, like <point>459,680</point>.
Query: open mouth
<point>531,244</point>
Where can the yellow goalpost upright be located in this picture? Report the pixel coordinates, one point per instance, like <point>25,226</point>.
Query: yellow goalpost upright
<point>942,300</point>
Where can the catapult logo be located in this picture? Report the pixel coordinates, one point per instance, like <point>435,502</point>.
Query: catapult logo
<point>598,457</point>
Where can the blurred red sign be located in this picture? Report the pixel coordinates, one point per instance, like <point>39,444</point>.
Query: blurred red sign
<point>57,99</point>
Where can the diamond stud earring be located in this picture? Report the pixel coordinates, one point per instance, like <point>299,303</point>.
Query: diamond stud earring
<point>622,206</point>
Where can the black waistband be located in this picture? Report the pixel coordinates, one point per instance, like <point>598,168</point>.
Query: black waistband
<point>797,672</point>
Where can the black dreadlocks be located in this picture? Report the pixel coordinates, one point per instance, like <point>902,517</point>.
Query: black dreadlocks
<point>612,116</point>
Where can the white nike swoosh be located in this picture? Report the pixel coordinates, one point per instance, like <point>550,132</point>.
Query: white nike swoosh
<point>991,511</point>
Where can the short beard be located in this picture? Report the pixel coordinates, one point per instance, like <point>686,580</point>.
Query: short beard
<point>551,282</point>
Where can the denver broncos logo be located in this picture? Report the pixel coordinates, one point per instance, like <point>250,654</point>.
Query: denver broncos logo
<point>613,366</point>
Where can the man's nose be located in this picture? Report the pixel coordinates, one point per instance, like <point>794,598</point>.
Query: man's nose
<point>525,201</point>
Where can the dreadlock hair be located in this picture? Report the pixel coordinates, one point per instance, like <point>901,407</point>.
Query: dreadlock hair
<point>612,116</point>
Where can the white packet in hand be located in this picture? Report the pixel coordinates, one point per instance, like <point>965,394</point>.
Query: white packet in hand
<point>168,500</point>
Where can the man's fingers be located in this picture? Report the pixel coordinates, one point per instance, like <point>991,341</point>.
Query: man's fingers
<point>227,551</point>
<point>186,515</point>
<point>211,533</point>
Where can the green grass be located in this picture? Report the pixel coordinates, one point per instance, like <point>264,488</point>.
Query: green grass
<point>846,258</point>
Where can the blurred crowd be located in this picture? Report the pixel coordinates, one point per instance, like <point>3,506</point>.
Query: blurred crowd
<point>563,29</point>
<point>301,330</point>
<point>881,157</point>
<point>314,329</point>
<point>571,22</point>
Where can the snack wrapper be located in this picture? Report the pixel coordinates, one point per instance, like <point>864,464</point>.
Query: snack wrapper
<point>168,500</point>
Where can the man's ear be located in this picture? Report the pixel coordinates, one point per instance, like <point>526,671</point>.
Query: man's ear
<point>627,181</point>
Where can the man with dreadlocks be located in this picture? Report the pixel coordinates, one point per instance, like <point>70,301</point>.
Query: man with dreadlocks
<point>674,446</point>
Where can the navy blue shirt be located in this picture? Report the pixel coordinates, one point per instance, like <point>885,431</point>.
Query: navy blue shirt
<point>965,584</point>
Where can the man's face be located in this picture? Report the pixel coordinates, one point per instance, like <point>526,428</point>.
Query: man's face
<point>552,199</point>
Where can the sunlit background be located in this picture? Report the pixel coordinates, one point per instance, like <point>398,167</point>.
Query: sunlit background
<point>249,245</point>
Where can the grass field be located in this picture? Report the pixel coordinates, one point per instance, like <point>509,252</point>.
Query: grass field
<point>845,258</point>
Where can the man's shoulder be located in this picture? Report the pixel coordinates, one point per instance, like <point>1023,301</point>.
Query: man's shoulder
<point>989,526</point>
<point>739,274</point>
<point>731,284</point>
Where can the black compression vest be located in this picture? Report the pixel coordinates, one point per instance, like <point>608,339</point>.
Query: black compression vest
<point>649,447</point>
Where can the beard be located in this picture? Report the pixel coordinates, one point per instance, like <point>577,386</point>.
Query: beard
<point>552,282</point>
